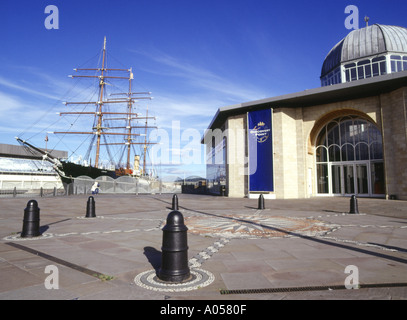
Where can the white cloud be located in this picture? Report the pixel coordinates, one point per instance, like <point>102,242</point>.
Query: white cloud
<point>9,103</point>
<point>12,85</point>
<point>203,79</point>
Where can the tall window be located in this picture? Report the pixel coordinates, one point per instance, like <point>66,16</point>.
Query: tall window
<point>346,147</point>
<point>216,164</point>
<point>398,63</point>
<point>365,69</point>
<point>331,78</point>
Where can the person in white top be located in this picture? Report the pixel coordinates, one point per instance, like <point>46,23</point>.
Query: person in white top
<point>95,188</point>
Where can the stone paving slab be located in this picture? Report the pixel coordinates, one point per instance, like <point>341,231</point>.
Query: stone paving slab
<point>232,246</point>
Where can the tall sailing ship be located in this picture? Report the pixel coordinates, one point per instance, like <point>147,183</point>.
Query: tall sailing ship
<point>123,123</point>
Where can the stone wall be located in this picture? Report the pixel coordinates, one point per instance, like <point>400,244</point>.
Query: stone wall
<point>236,156</point>
<point>394,113</point>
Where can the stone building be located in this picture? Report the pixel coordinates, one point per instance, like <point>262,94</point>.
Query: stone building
<point>347,137</point>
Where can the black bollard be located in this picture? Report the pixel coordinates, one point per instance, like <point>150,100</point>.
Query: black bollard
<point>261,202</point>
<point>174,256</point>
<point>31,222</point>
<point>174,202</point>
<point>223,191</point>
<point>354,205</point>
<point>90,208</point>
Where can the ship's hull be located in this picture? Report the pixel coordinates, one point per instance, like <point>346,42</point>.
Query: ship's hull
<point>73,170</point>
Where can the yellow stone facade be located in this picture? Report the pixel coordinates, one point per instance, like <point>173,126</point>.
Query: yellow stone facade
<point>295,130</point>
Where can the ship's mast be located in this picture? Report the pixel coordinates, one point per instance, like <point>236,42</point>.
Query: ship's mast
<point>129,122</point>
<point>145,145</point>
<point>129,98</point>
<point>100,103</point>
<point>129,126</point>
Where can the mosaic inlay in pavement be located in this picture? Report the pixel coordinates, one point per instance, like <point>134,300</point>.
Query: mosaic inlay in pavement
<point>256,226</point>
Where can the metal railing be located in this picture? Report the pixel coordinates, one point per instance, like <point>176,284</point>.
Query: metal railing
<point>83,185</point>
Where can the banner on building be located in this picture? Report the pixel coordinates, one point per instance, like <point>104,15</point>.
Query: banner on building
<point>260,150</point>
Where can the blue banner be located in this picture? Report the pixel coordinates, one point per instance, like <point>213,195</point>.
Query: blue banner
<point>260,150</point>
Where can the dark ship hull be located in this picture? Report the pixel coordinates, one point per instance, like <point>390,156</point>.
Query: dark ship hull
<point>69,170</point>
<point>72,170</point>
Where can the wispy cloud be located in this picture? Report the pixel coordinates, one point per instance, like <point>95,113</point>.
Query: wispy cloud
<point>14,111</point>
<point>9,102</point>
<point>203,78</point>
<point>190,111</point>
<point>12,85</point>
<point>193,93</point>
<point>29,104</point>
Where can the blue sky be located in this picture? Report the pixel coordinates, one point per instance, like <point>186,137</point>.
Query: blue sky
<point>194,56</point>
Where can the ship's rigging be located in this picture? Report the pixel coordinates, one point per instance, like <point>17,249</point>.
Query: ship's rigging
<point>128,124</point>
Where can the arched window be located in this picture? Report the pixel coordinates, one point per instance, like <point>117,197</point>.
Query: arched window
<point>349,157</point>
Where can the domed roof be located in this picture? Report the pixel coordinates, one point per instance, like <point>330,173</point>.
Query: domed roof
<point>368,41</point>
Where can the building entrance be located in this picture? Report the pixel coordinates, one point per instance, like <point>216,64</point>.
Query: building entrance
<point>349,159</point>
<point>349,179</point>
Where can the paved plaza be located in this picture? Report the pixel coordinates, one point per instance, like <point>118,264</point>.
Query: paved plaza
<point>293,249</point>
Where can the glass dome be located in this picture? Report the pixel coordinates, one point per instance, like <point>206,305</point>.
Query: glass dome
<point>364,53</point>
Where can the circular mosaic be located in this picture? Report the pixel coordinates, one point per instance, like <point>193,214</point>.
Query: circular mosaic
<point>255,226</point>
<point>199,278</point>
